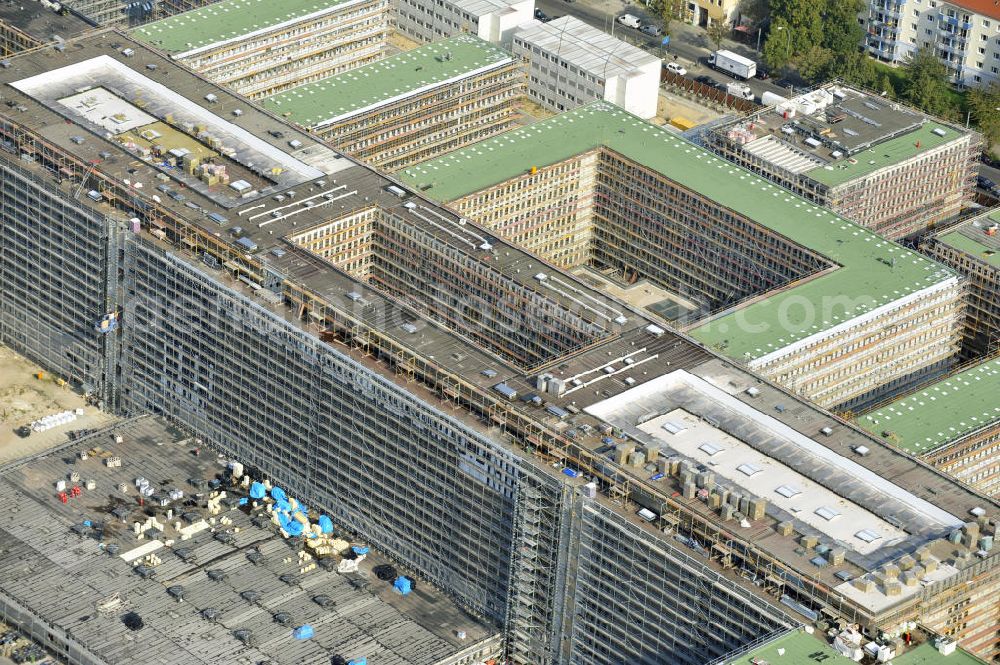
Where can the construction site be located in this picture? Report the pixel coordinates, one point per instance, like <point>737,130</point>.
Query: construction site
<point>576,477</point>
<point>799,294</point>
<point>128,13</point>
<point>154,551</point>
<point>971,249</point>
<point>951,424</point>
<point>887,167</point>
<point>260,47</point>
<point>412,106</point>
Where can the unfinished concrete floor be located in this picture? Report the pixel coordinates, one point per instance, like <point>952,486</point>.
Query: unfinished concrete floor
<point>25,398</point>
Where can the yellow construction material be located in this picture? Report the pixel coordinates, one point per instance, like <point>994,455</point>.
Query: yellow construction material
<point>680,122</point>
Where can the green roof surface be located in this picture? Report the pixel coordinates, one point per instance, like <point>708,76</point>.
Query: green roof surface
<point>395,76</point>
<point>224,20</point>
<point>873,271</point>
<point>884,154</point>
<point>980,250</point>
<point>923,421</point>
<point>801,648</point>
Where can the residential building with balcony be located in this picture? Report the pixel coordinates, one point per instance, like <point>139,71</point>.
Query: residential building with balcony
<point>965,35</point>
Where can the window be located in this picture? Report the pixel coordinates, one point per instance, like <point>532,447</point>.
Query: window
<point>827,513</point>
<point>710,449</point>
<point>868,535</point>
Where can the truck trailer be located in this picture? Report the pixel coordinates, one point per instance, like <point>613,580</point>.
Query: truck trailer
<point>733,64</point>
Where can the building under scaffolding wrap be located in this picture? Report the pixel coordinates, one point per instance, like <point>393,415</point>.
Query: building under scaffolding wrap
<point>535,448</point>
<point>126,13</point>
<point>413,106</point>
<point>847,314</point>
<point>261,47</point>
<point>971,249</point>
<point>887,167</point>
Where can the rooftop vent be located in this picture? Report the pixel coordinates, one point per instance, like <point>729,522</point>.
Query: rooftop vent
<point>710,449</point>
<point>749,469</point>
<point>939,131</point>
<point>868,535</point>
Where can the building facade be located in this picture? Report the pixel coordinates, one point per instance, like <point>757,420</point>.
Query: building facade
<point>964,34</point>
<point>259,48</point>
<point>412,106</point>
<point>971,249</point>
<point>492,20</point>
<point>482,416</point>
<point>884,166</point>
<point>571,63</point>
<point>588,187</point>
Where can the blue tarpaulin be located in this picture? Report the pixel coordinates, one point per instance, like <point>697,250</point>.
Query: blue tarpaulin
<point>303,632</point>
<point>244,501</point>
<point>257,491</point>
<point>402,585</point>
<point>294,528</point>
<point>278,494</point>
<point>358,661</point>
<point>360,550</point>
<point>282,506</point>
<point>325,524</point>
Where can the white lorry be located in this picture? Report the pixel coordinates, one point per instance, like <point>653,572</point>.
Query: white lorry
<point>741,90</point>
<point>629,21</point>
<point>733,64</point>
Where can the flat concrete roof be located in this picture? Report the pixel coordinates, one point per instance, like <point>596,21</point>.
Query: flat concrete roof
<point>971,237</point>
<point>593,51</point>
<point>942,412</point>
<point>41,22</point>
<point>397,77</point>
<point>926,137</point>
<point>61,568</point>
<point>227,20</point>
<point>872,272</point>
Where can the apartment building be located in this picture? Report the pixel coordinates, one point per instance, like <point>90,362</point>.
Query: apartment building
<point>25,26</point>
<point>887,167</point>
<point>260,47</point>
<point>796,292</point>
<point>571,63</point>
<point>965,35</point>
<point>951,424</point>
<point>412,106</point>
<point>310,318</point>
<point>971,249</point>
<point>492,20</point>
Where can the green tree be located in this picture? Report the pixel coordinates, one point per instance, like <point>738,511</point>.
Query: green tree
<point>778,49</point>
<point>841,31</point>
<point>717,31</point>
<point>884,86</point>
<point>816,64</point>
<point>927,84</point>
<point>983,105</point>
<point>670,10</point>
<point>804,17</point>
<point>754,11</point>
<point>855,68</point>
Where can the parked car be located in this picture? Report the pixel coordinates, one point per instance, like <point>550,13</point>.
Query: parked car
<point>629,21</point>
<point>762,74</point>
<point>675,68</point>
<point>706,80</point>
<point>984,183</point>
<point>651,30</point>
<point>540,15</point>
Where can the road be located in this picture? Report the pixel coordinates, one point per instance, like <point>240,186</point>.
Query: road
<point>689,45</point>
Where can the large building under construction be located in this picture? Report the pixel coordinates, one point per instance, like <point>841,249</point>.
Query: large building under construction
<point>971,249</point>
<point>260,47</point>
<point>817,303</point>
<point>412,106</point>
<point>596,487</point>
<point>953,424</point>
<point>883,165</point>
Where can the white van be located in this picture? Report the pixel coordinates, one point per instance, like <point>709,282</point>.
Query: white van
<point>629,21</point>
